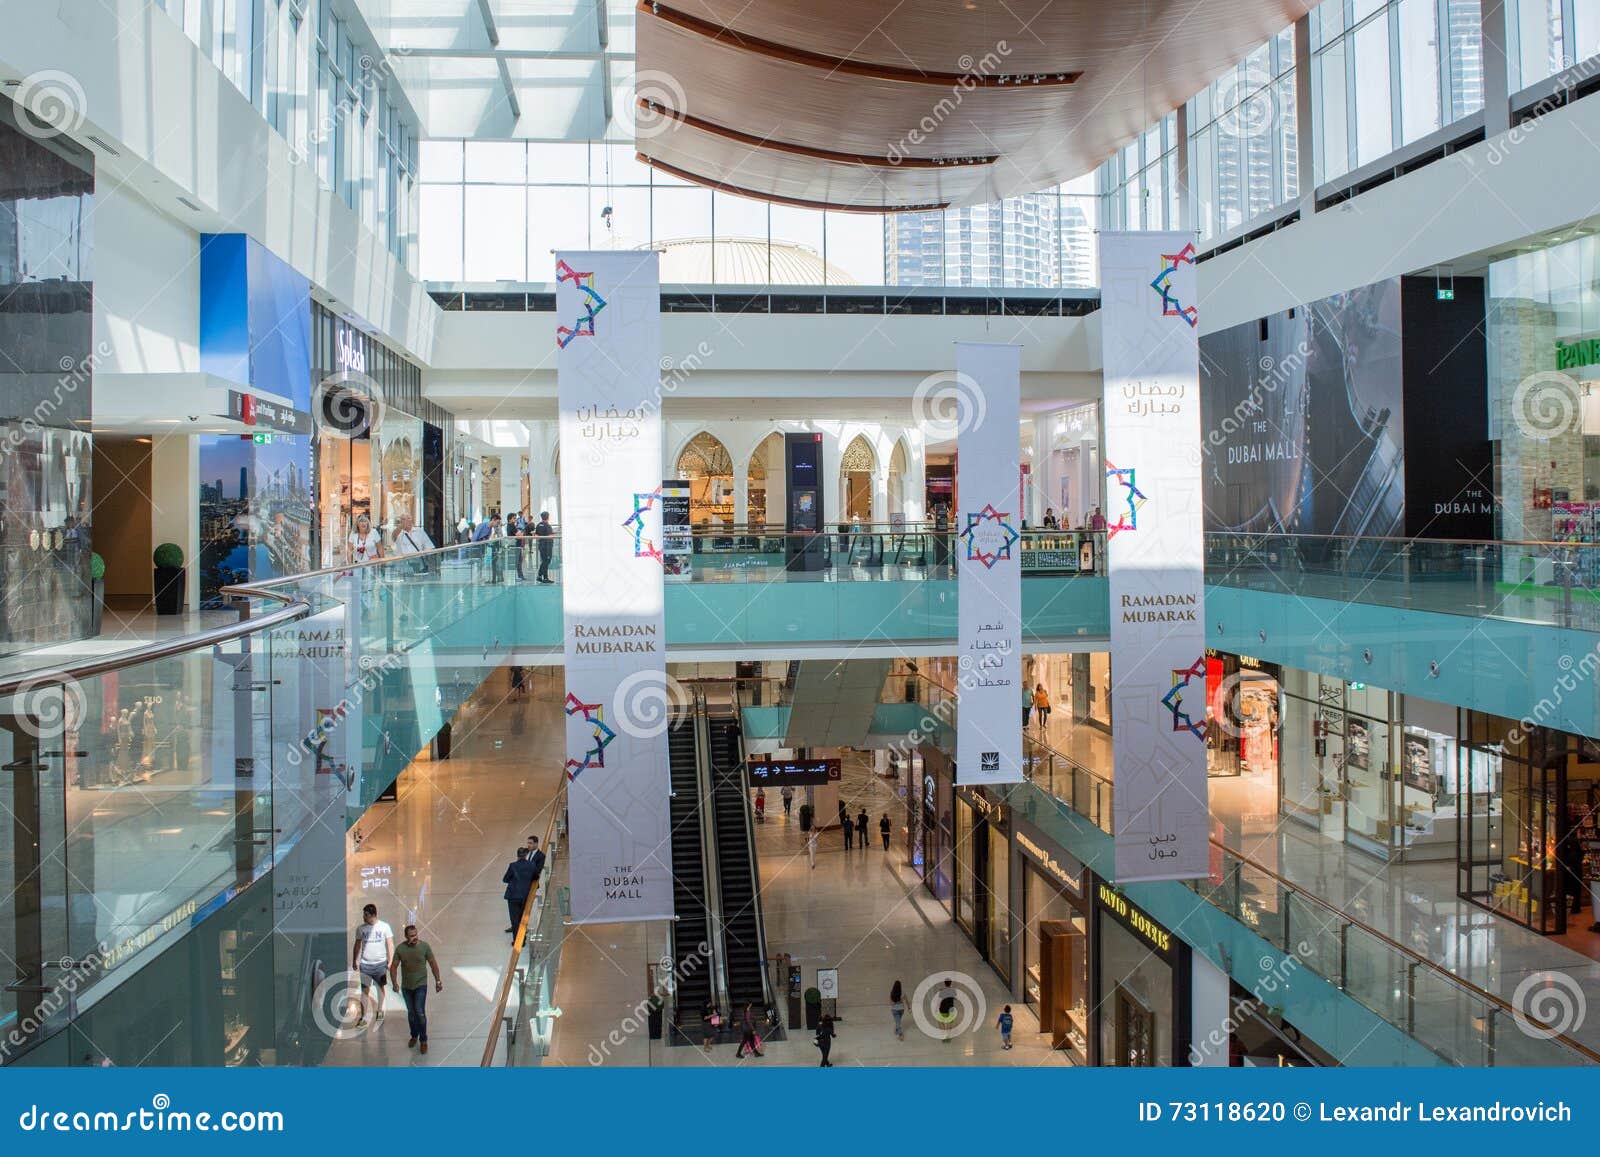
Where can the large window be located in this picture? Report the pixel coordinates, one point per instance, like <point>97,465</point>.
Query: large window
<point>1243,144</point>
<point>327,92</point>
<point>1545,36</point>
<point>480,199</point>
<point>1387,73</point>
<point>1139,186</point>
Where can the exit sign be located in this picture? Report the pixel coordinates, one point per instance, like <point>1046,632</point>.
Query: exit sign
<point>1444,294</point>
<point>262,437</point>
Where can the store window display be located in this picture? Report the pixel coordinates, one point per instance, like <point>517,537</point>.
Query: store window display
<point>1142,1002</point>
<point>1054,929</point>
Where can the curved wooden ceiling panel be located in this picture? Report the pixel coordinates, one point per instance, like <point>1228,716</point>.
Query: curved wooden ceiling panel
<point>796,93</point>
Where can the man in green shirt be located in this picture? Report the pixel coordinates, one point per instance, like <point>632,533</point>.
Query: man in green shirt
<point>412,959</point>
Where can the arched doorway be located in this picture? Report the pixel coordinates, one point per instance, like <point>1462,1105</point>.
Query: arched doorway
<point>708,468</point>
<point>856,469</point>
<point>897,480</point>
<point>764,478</point>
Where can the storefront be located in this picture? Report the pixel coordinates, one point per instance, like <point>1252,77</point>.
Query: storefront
<point>1531,850</point>
<point>370,422</point>
<point>931,826</point>
<point>1242,715</point>
<point>982,857</point>
<point>1053,923</point>
<point>1091,689</point>
<point>1340,742</point>
<point>1141,985</point>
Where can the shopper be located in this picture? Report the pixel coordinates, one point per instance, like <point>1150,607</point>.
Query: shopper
<point>370,956</point>
<point>946,1015</point>
<point>1027,706</point>
<point>412,959</point>
<point>749,1039</point>
<point>1003,1023</point>
<point>884,828</point>
<point>409,538</point>
<point>711,1021</point>
<point>897,1009</point>
<point>825,1034</point>
<point>1097,521</point>
<point>787,794</point>
<point>811,846</point>
<point>761,805</point>
<point>862,819</point>
<point>518,880</point>
<point>545,534</point>
<point>1041,706</point>
<point>364,543</point>
<point>536,857</point>
<point>849,830</point>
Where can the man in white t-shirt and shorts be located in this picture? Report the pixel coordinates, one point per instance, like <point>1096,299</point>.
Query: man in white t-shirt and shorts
<point>370,956</point>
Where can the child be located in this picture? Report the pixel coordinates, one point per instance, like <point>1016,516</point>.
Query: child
<point>1004,1024</point>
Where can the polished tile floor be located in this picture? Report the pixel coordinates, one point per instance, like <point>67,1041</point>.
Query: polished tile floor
<point>862,912</point>
<point>435,857</point>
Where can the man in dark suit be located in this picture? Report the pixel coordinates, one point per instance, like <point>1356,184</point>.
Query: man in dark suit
<point>545,541</point>
<point>536,856</point>
<point>519,878</point>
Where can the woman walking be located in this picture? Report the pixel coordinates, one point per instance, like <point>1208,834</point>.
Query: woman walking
<point>825,1035</point>
<point>897,1008</point>
<point>749,1041</point>
<point>1041,706</point>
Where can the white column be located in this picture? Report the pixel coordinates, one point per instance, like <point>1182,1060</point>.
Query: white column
<point>1305,142</point>
<point>741,494</point>
<point>175,476</point>
<point>1496,68</point>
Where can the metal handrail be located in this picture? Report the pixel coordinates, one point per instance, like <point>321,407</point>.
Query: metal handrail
<point>1344,917</point>
<point>1395,538</point>
<point>1433,966</point>
<point>519,939</point>
<point>295,608</point>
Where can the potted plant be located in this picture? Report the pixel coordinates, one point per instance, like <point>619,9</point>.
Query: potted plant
<point>170,579</point>
<point>97,582</point>
<point>806,814</point>
<point>813,999</point>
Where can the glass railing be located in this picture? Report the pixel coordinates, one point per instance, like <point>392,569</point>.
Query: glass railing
<point>1451,1017</point>
<point>1556,583</point>
<point>855,551</point>
<point>526,1013</point>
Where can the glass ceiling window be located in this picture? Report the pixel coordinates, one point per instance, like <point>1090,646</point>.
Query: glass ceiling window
<point>492,211</point>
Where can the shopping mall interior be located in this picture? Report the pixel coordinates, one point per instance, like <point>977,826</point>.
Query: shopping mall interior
<point>1211,378</point>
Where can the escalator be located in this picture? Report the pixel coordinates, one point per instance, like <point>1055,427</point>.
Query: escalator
<point>691,966</point>
<point>739,882</point>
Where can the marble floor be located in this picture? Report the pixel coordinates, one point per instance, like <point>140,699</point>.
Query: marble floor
<point>435,858</point>
<point>862,912</point>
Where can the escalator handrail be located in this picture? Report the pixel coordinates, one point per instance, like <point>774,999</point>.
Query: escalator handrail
<point>755,873</point>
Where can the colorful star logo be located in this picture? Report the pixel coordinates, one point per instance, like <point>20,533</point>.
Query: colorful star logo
<point>1170,305</point>
<point>1173,700</point>
<point>602,736</point>
<point>642,546</point>
<point>1128,519</point>
<point>593,303</point>
<point>989,537</point>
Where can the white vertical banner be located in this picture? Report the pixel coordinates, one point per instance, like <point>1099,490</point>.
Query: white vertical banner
<point>1155,557</point>
<point>608,307</point>
<point>989,574</point>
